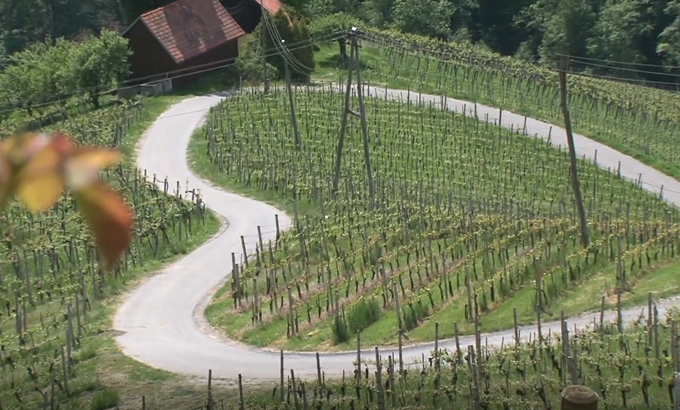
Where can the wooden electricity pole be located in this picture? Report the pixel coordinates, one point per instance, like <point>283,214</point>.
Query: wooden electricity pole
<point>354,64</point>
<point>264,46</point>
<point>575,184</point>
<point>291,99</point>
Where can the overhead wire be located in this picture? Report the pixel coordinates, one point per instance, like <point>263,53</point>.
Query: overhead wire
<point>621,62</point>
<point>275,35</point>
<point>286,54</point>
<point>185,72</point>
<point>626,69</point>
<point>292,47</point>
<point>398,46</point>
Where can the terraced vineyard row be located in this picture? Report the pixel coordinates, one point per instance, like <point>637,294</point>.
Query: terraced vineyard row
<point>51,277</point>
<point>468,215</point>
<point>638,121</point>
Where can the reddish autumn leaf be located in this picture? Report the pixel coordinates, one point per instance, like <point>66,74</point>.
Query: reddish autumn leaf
<point>41,182</point>
<point>28,165</point>
<point>84,165</point>
<point>109,218</point>
<point>37,167</point>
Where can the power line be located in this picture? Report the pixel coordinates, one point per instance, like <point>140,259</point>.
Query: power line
<point>623,62</point>
<point>191,71</point>
<point>659,188</point>
<point>66,97</point>
<point>395,45</point>
<point>285,53</point>
<point>632,70</point>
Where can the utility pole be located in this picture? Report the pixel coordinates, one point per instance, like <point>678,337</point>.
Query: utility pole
<point>575,184</point>
<point>291,100</point>
<point>354,64</point>
<point>263,47</point>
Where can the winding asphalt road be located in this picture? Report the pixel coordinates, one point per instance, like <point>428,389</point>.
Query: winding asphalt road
<point>162,322</point>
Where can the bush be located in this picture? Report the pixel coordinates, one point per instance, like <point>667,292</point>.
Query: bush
<point>249,62</point>
<point>362,314</point>
<point>413,313</point>
<point>108,399</point>
<point>340,330</point>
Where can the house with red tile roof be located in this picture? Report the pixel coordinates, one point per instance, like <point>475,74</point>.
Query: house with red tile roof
<point>184,40</point>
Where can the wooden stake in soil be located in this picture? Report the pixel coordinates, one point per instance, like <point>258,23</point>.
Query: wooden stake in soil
<point>515,324</point>
<point>241,405</point>
<point>579,398</point>
<point>282,377</point>
<point>575,184</point>
<point>400,327</point>
<point>210,399</point>
<point>358,357</point>
<point>291,99</point>
<point>676,398</point>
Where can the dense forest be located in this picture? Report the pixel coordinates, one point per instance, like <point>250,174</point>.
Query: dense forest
<point>638,39</point>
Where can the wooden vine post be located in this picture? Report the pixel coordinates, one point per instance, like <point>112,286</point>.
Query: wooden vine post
<point>579,397</point>
<point>291,99</point>
<point>263,46</point>
<point>354,65</point>
<point>575,184</point>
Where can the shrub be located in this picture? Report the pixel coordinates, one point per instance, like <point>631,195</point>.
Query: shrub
<point>104,400</point>
<point>340,330</point>
<point>362,314</point>
<point>413,313</point>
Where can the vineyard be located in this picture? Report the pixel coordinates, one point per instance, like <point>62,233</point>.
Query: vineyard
<point>635,120</point>
<point>52,287</point>
<point>631,370</point>
<point>470,220</point>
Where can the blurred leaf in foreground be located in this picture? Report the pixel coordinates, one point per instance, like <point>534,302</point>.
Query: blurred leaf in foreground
<point>36,168</point>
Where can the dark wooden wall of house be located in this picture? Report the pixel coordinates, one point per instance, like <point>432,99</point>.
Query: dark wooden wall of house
<point>247,13</point>
<point>148,55</point>
<point>210,59</point>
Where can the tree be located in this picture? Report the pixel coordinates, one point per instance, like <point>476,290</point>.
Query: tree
<point>99,63</point>
<point>3,55</point>
<point>135,8</point>
<point>428,17</point>
<point>321,8</point>
<point>669,39</point>
<point>249,62</point>
<point>286,25</point>
<point>39,75</point>
<point>619,26</point>
<point>567,28</point>
<point>22,22</point>
<point>492,23</point>
<point>378,12</point>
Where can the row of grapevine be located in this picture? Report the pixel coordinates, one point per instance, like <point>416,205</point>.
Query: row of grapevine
<point>51,278</point>
<point>637,120</point>
<point>468,214</point>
